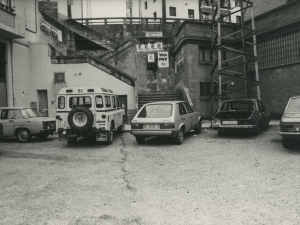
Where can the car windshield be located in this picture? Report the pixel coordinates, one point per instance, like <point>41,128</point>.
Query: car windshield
<point>156,111</point>
<point>294,105</point>
<point>237,106</point>
<point>30,113</point>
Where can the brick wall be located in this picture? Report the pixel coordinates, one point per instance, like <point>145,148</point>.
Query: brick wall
<point>49,8</point>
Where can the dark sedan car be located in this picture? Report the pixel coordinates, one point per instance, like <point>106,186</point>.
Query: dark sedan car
<point>242,114</point>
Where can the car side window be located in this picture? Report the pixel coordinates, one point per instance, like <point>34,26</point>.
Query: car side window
<point>188,108</point>
<point>7,114</point>
<point>114,101</point>
<point>260,107</point>
<point>99,101</point>
<point>182,110</point>
<point>118,102</point>
<point>18,114</point>
<point>107,101</point>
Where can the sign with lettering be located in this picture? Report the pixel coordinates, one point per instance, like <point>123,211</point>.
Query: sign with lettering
<point>163,59</point>
<point>154,34</point>
<point>151,58</point>
<point>51,31</point>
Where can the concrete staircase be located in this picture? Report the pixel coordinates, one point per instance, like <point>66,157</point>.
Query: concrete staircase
<point>144,99</point>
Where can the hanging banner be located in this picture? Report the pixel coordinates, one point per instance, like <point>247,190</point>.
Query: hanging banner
<point>163,59</point>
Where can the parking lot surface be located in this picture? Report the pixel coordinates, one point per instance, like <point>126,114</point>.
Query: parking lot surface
<point>209,179</point>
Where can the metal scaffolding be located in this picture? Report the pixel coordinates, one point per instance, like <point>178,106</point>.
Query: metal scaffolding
<point>238,45</point>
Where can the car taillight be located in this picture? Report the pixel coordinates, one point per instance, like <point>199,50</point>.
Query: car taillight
<point>136,126</point>
<point>167,126</point>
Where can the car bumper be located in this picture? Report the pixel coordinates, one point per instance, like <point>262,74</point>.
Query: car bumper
<point>47,131</point>
<point>292,135</point>
<point>216,127</point>
<point>154,132</point>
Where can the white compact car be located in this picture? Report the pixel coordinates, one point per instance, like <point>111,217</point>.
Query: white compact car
<point>168,118</point>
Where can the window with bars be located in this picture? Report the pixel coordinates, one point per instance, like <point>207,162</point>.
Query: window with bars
<point>59,77</point>
<point>172,11</point>
<point>280,50</point>
<point>206,89</point>
<point>204,54</point>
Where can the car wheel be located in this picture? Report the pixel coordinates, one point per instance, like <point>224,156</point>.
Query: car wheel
<point>179,137</point>
<point>72,141</point>
<point>81,119</point>
<point>121,128</point>
<point>140,140</point>
<point>110,135</point>
<point>285,142</point>
<point>198,128</point>
<point>23,135</point>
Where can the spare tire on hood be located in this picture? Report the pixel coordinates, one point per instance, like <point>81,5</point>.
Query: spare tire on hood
<point>81,119</point>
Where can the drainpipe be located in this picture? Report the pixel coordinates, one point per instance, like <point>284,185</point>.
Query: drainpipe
<point>12,71</point>
<point>163,10</point>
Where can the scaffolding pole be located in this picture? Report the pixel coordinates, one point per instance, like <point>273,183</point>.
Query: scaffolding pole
<point>239,46</point>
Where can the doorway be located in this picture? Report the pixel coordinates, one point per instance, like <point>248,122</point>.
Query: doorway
<point>43,102</point>
<point>123,100</point>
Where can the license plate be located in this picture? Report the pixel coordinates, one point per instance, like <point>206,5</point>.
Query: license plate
<point>151,126</point>
<point>229,122</point>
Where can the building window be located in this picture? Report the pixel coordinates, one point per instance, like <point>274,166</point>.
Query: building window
<point>205,16</point>
<point>146,5</point>
<point>238,19</point>
<point>191,13</point>
<point>59,77</point>
<point>172,11</point>
<point>3,62</point>
<point>6,4</point>
<point>205,89</point>
<point>130,12</point>
<point>204,54</point>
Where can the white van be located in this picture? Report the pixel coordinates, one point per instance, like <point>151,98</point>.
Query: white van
<point>88,112</point>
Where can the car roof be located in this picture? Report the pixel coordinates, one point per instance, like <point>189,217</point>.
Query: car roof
<point>85,90</point>
<point>16,107</point>
<point>295,97</point>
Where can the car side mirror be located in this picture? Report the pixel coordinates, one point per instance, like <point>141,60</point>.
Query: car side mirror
<point>123,106</point>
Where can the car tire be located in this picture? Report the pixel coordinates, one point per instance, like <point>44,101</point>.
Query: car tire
<point>110,136</point>
<point>255,130</point>
<point>286,143</point>
<point>198,129</point>
<point>81,119</point>
<point>179,137</point>
<point>121,128</point>
<point>140,140</point>
<point>24,135</point>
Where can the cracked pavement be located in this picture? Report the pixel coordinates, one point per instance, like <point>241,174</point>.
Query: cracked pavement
<point>210,179</point>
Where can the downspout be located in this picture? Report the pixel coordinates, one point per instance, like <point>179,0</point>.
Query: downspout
<point>163,10</point>
<point>12,72</point>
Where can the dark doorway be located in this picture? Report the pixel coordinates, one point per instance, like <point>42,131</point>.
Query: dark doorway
<point>123,101</point>
<point>3,69</point>
<point>43,102</point>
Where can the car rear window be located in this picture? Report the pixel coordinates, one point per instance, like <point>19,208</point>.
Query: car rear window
<point>156,111</point>
<point>237,106</point>
<point>85,101</point>
<point>294,105</point>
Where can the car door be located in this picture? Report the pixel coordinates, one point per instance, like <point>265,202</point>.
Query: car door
<point>184,116</point>
<point>192,115</point>
<point>8,121</point>
<point>265,115</point>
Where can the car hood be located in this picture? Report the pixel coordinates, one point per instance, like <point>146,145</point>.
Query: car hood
<point>291,117</point>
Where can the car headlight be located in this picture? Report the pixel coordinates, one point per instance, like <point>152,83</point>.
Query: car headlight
<point>216,122</point>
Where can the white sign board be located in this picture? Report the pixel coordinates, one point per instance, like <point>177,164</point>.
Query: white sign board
<point>163,59</point>
<point>154,34</point>
<point>151,58</point>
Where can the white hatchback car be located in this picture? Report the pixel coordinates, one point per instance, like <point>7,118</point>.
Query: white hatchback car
<point>168,118</point>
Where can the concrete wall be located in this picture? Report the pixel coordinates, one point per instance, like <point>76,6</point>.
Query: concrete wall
<point>76,75</point>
